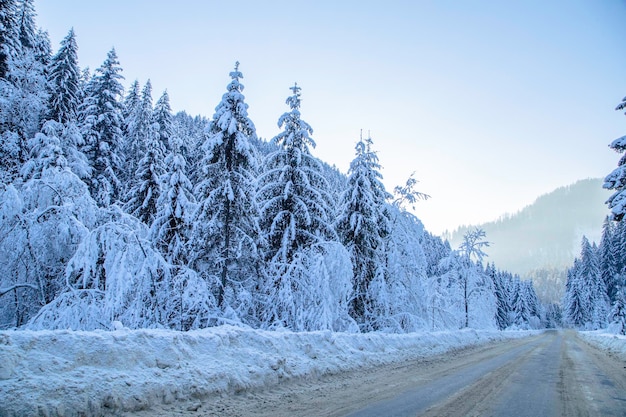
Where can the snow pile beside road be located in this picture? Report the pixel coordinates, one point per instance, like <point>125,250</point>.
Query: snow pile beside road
<point>66,373</point>
<point>610,342</point>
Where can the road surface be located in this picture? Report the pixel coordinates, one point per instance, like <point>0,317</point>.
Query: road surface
<point>553,374</point>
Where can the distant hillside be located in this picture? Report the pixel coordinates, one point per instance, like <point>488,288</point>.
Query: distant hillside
<point>547,233</point>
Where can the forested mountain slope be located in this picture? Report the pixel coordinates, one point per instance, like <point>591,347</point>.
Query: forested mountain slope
<point>547,233</point>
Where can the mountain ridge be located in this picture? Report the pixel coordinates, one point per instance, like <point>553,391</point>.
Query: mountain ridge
<point>547,232</point>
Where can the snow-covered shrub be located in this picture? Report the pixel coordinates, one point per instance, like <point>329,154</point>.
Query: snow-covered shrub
<point>311,293</point>
<point>114,275</point>
<point>42,224</point>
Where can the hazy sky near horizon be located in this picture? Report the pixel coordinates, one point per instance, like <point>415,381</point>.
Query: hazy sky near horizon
<point>491,103</point>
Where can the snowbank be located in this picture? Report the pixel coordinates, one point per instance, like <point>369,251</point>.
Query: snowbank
<point>610,342</point>
<point>66,373</point>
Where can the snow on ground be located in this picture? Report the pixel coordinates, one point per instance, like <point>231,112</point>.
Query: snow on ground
<point>613,343</point>
<point>67,373</point>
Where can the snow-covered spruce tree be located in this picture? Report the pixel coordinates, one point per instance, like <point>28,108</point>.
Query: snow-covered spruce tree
<point>65,82</point>
<point>292,193</point>
<point>502,298</point>
<point>617,317</point>
<point>138,126</point>
<point>143,195</point>
<point>64,101</point>
<point>616,180</point>
<point>170,230</point>
<point>225,229</point>
<point>574,301</point>
<point>619,247</point>
<point>23,93</point>
<point>608,259</point>
<point>363,226</point>
<point>102,130</point>
<point>131,101</point>
<point>191,132</point>
<point>144,188</point>
<point>162,115</point>
<point>8,35</point>
<point>297,230</point>
<point>594,287</point>
<point>525,306</point>
<point>26,23</point>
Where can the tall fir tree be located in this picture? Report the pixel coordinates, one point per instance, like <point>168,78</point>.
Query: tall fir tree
<point>595,290</point>
<point>65,82</point>
<point>363,226</point>
<point>162,115</point>
<point>503,308</point>
<point>295,204</point>
<point>26,20</point>
<point>226,225</point>
<point>138,126</point>
<point>172,225</point>
<point>8,35</point>
<point>142,197</point>
<point>23,90</point>
<point>102,129</point>
<point>608,258</point>
<point>295,220</point>
<point>144,187</point>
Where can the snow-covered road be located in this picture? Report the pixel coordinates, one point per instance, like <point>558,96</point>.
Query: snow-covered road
<point>552,374</point>
<point>65,373</point>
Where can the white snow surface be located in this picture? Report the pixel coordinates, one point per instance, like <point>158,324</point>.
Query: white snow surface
<point>70,373</point>
<point>610,342</point>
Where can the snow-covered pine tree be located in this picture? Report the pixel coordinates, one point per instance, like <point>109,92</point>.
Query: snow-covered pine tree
<point>64,102</point>
<point>616,180</point>
<point>138,125</point>
<point>617,317</point>
<point>225,223</point>
<point>8,35</point>
<point>575,309</point>
<point>608,262</point>
<point>102,130</point>
<point>131,101</point>
<point>594,288</point>
<point>145,185</point>
<point>65,82</point>
<point>363,226</point>
<point>24,90</point>
<point>293,197</point>
<point>294,218</point>
<point>26,21</point>
<point>619,247</point>
<point>171,227</point>
<point>142,197</point>
<point>503,308</point>
<point>163,116</point>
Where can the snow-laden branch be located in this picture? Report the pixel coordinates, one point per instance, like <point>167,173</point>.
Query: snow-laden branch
<point>16,286</point>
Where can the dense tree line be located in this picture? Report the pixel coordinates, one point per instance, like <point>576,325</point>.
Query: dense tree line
<point>114,209</point>
<point>595,294</point>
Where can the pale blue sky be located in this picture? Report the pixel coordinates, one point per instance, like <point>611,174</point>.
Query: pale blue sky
<point>492,103</point>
